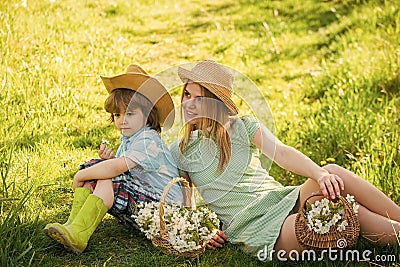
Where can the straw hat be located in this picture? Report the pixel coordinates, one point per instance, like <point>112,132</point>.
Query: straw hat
<point>213,76</point>
<point>138,80</point>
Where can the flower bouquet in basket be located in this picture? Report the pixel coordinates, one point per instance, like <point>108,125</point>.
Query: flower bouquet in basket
<point>179,230</point>
<point>328,224</point>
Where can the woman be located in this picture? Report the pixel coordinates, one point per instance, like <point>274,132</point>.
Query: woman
<point>219,153</point>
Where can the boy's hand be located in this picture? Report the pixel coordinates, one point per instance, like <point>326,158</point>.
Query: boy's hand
<point>77,182</point>
<point>105,152</point>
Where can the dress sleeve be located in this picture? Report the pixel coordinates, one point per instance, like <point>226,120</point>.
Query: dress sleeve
<point>251,124</point>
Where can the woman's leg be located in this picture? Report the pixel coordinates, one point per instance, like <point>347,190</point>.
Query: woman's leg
<point>379,216</point>
<point>287,240</point>
<point>377,228</point>
<point>374,227</point>
<point>365,193</point>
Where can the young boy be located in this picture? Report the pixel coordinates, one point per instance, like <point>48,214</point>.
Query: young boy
<point>139,106</point>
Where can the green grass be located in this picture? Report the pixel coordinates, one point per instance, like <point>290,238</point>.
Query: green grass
<point>328,69</point>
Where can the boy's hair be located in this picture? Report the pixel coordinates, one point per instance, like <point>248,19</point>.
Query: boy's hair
<point>214,124</point>
<point>121,100</point>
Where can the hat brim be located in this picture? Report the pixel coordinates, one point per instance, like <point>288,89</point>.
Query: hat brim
<point>148,86</point>
<point>187,75</point>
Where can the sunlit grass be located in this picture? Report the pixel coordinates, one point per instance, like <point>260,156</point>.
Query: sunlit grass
<point>328,69</point>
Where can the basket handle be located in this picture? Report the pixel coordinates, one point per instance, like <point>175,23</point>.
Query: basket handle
<point>163,230</point>
<point>347,205</point>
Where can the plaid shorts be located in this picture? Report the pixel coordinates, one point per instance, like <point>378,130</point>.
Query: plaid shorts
<point>127,194</point>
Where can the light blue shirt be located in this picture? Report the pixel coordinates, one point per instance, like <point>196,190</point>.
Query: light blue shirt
<point>155,164</point>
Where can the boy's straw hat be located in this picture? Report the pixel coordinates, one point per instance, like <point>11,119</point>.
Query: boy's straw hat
<point>138,80</point>
<point>213,76</point>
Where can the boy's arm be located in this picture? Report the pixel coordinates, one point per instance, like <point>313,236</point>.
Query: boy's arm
<point>104,170</point>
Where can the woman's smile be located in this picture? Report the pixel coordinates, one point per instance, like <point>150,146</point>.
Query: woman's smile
<point>189,115</point>
<point>191,102</point>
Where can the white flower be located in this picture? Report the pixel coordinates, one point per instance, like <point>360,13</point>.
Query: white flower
<point>324,214</point>
<point>187,229</point>
<point>105,141</point>
<point>336,217</point>
<point>356,207</point>
<point>342,226</point>
<point>350,198</point>
<point>325,211</point>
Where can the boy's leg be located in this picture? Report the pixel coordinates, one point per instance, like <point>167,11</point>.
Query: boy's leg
<point>80,196</point>
<point>104,190</point>
<point>76,235</point>
<point>127,194</point>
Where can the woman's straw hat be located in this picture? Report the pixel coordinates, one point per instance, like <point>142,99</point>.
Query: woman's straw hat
<point>213,76</point>
<point>138,80</point>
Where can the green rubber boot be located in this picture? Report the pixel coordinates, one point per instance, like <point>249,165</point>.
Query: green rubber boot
<point>80,196</point>
<point>76,235</point>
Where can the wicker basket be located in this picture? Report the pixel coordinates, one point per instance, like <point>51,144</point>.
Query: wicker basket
<point>163,240</point>
<point>333,239</point>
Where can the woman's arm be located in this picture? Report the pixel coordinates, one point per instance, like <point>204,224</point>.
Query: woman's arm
<point>188,194</point>
<point>104,170</point>
<point>293,160</point>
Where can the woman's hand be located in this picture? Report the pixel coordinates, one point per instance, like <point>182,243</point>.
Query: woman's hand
<point>330,185</point>
<point>105,152</point>
<point>218,240</point>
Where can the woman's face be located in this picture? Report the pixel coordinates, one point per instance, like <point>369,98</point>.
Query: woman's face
<point>192,102</point>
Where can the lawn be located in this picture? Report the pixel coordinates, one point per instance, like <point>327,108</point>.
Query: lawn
<point>323,75</point>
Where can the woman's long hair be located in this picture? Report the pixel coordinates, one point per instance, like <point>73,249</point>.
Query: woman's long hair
<point>214,124</point>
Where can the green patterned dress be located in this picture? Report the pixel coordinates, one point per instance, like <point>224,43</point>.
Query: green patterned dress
<point>251,205</point>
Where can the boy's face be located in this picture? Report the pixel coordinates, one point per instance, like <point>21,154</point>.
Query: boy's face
<point>130,122</point>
